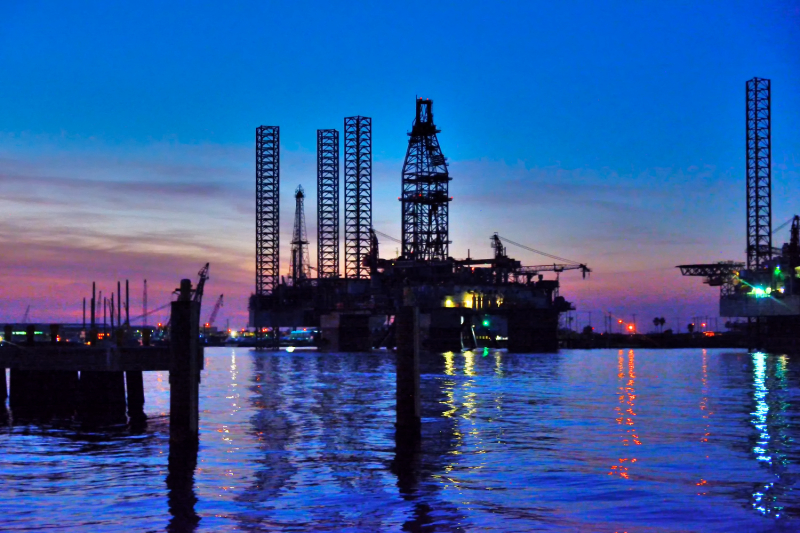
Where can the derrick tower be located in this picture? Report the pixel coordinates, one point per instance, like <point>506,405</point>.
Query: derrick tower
<point>357,195</point>
<point>424,195</point>
<point>267,208</point>
<point>759,173</point>
<point>301,266</point>
<point>327,203</point>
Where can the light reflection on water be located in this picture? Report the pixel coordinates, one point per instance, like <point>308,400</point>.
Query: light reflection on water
<point>604,440</point>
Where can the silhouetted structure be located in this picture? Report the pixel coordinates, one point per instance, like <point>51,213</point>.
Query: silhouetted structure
<point>300,263</point>
<point>767,291</point>
<point>267,208</point>
<point>424,194</point>
<point>327,203</point>
<point>357,195</point>
<point>759,173</point>
<point>495,295</point>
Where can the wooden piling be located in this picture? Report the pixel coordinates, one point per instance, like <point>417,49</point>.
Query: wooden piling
<point>408,425</point>
<point>135,385</point>
<point>184,374</point>
<point>30,333</point>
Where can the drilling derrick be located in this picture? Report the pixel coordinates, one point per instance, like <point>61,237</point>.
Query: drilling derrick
<point>759,174</point>
<point>357,195</point>
<point>267,208</point>
<point>425,198</point>
<point>328,203</point>
<point>300,266</point>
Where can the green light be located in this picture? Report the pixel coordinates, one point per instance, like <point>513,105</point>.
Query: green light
<point>486,323</point>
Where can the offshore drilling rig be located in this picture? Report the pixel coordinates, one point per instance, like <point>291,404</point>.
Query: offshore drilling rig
<point>494,299</point>
<point>765,289</point>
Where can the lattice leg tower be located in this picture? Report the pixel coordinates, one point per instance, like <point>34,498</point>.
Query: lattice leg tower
<point>357,195</point>
<point>759,173</point>
<point>328,203</point>
<point>267,214</point>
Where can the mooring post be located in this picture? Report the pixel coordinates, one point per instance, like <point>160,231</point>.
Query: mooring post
<point>184,373</point>
<point>146,336</point>
<point>54,333</point>
<point>30,332</point>
<point>408,426</point>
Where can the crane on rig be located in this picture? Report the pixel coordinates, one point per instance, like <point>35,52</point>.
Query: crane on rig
<point>197,296</point>
<point>214,312</point>
<point>530,271</point>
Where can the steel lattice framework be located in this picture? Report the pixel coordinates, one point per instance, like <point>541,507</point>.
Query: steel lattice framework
<point>267,208</point>
<point>424,196</point>
<point>357,195</point>
<point>328,203</point>
<point>300,263</point>
<point>759,173</point>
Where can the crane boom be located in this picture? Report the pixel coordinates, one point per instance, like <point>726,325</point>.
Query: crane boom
<point>214,311</point>
<point>198,292</point>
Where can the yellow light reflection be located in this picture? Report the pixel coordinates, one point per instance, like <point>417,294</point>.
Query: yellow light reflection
<point>469,363</point>
<point>449,366</point>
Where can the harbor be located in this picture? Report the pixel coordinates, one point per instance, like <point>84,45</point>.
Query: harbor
<point>419,267</point>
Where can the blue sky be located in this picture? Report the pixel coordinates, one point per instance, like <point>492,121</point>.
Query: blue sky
<point>608,132</point>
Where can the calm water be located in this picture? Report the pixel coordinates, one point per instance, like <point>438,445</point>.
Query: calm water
<point>604,440</point>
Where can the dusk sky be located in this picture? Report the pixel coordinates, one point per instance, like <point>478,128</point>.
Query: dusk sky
<point>612,133</point>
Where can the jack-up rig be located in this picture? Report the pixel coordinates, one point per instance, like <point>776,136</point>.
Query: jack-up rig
<point>765,289</point>
<point>494,299</point>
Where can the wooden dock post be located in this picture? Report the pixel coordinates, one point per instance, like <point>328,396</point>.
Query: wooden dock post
<point>184,373</point>
<point>408,425</point>
<point>7,332</point>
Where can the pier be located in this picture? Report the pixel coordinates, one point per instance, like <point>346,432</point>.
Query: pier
<point>98,382</point>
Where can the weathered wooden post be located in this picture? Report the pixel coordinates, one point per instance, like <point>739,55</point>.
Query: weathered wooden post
<point>134,385</point>
<point>30,333</point>
<point>408,425</point>
<point>184,373</point>
<point>8,330</point>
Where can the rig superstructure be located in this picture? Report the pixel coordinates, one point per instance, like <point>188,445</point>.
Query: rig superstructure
<point>766,288</point>
<point>495,299</point>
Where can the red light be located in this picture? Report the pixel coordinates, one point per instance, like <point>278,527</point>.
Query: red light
<point>620,321</point>
<point>630,327</point>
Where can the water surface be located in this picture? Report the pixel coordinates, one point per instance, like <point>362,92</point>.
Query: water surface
<point>602,440</point>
